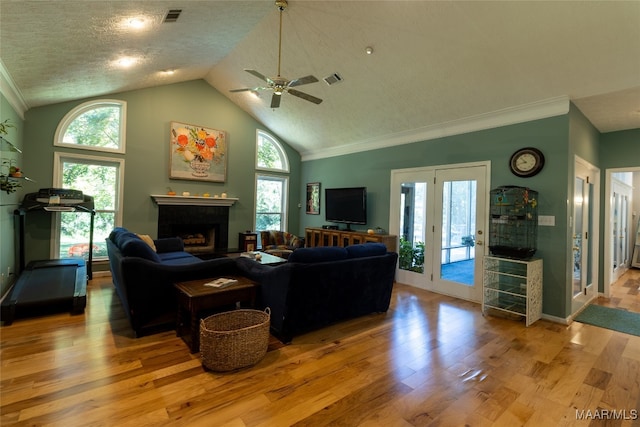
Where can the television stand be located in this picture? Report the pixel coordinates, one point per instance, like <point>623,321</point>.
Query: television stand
<point>326,237</point>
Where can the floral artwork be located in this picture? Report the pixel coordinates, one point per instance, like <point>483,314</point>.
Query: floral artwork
<point>197,153</point>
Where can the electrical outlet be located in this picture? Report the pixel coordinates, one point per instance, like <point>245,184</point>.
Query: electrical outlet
<point>9,271</point>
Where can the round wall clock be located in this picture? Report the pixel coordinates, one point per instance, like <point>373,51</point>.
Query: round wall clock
<point>526,162</point>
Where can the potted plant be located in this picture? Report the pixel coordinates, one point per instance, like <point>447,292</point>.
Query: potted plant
<point>8,167</point>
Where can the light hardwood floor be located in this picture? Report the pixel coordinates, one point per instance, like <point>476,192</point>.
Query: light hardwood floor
<point>430,360</point>
<point>624,293</point>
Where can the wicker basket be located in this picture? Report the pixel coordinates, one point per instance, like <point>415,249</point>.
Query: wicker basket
<point>234,339</point>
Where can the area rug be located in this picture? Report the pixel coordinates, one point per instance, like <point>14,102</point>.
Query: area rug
<point>611,318</point>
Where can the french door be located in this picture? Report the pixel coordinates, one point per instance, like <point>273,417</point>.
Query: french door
<point>439,214</point>
<point>584,232</point>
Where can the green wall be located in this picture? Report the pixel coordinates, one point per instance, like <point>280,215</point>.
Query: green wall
<point>9,202</point>
<point>616,150</point>
<point>373,170</point>
<point>149,113</point>
<point>620,149</point>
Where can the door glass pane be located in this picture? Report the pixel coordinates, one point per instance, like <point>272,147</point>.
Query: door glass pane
<point>577,236</point>
<point>458,231</point>
<point>413,217</point>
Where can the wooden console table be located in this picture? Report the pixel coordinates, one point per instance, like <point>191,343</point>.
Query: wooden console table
<point>326,237</point>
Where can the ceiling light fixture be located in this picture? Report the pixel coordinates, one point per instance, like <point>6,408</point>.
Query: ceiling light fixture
<point>126,62</point>
<point>136,23</point>
<point>368,50</point>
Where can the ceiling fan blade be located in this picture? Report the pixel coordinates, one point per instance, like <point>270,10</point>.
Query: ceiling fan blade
<point>303,81</point>
<point>245,89</point>
<point>259,75</point>
<point>305,96</point>
<point>275,100</point>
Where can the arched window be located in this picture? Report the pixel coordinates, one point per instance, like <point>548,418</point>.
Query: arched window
<point>95,125</point>
<point>272,189</point>
<point>100,126</point>
<point>269,154</point>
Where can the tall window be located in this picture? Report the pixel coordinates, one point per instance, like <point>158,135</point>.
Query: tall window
<point>95,125</point>
<point>271,188</point>
<point>101,178</point>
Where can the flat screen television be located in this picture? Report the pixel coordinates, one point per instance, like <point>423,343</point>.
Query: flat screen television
<point>346,205</point>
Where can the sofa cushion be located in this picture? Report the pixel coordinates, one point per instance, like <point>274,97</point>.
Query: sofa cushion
<point>168,256</point>
<point>366,249</point>
<point>116,232</point>
<point>318,254</point>
<point>181,261</point>
<point>132,245</point>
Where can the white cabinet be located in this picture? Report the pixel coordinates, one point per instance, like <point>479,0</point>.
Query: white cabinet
<point>513,286</point>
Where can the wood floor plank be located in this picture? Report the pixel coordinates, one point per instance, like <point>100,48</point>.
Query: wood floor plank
<point>431,360</point>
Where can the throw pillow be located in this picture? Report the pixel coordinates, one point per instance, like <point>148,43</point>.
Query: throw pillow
<point>148,240</point>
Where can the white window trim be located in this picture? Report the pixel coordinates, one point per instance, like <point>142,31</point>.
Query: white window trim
<point>58,157</point>
<point>279,147</point>
<point>284,224</point>
<point>87,106</point>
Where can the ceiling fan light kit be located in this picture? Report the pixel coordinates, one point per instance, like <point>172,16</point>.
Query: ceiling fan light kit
<point>279,84</point>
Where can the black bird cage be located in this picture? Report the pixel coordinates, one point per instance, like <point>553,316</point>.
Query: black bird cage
<point>513,230</point>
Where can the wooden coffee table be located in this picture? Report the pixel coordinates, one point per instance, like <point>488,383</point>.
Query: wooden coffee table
<point>195,300</point>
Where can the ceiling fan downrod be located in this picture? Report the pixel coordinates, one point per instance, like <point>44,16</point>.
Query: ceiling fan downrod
<point>282,5</point>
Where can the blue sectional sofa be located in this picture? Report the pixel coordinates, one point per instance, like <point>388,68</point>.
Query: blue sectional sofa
<point>323,285</point>
<point>144,277</point>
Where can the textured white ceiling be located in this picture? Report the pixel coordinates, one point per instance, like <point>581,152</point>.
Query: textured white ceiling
<point>434,63</point>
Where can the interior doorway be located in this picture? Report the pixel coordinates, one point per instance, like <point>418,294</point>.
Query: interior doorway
<point>621,215</point>
<point>439,214</point>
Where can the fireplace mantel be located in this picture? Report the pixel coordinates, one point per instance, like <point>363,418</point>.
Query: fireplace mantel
<point>164,199</point>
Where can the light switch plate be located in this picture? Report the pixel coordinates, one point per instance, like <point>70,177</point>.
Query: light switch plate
<point>548,220</point>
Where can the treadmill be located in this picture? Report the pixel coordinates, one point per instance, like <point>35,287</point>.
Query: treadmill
<point>54,285</point>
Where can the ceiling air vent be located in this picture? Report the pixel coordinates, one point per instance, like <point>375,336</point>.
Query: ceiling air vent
<point>172,15</point>
<point>333,79</point>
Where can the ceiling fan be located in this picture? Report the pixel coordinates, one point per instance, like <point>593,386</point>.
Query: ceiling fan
<point>279,84</point>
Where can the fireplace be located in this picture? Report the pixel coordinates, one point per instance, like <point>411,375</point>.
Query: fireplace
<point>204,229</point>
<point>197,238</point>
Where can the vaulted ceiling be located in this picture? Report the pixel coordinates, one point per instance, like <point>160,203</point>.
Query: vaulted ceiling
<point>433,65</point>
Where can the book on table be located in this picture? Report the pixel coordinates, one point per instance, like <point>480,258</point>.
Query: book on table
<point>221,282</point>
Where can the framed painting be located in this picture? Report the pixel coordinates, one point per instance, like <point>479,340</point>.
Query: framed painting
<point>313,198</point>
<point>197,153</point>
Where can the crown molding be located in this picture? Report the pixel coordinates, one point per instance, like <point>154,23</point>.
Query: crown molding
<point>508,116</point>
<point>10,91</point>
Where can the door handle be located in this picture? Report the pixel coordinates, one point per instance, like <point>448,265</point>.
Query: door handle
<point>479,242</point>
